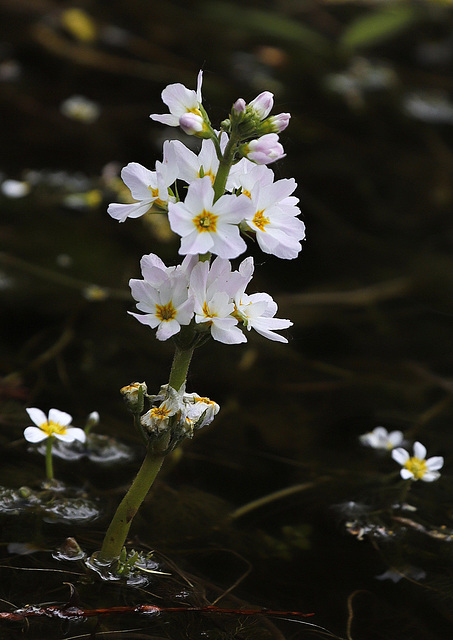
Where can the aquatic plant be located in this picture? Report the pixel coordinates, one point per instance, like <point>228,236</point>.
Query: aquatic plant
<point>231,195</point>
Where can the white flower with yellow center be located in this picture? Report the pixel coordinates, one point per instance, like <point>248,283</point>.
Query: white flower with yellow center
<point>56,425</point>
<point>192,166</point>
<point>166,306</point>
<point>180,102</point>
<point>416,467</point>
<point>274,218</point>
<point>213,305</point>
<point>149,188</point>
<point>257,312</point>
<point>208,226</point>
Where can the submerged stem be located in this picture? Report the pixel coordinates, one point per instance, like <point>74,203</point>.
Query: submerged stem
<point>49,463</point>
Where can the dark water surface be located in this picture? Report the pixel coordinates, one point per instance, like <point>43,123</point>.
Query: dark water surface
<point>370,144</point>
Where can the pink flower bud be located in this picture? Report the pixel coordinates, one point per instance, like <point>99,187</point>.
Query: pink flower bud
<point>262,104</point>
<point>239,106</point>
<point>278,123</point>
<point>264,150</point>
<point>191,123</point>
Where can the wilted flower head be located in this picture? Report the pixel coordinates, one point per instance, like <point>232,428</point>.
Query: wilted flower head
<point>54,426</point>
<point>380,438</point>
<point>417,467</point>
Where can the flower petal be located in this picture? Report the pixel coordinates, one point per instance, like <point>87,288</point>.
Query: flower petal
<point>400,455</point>
<point>419,450</point>
<point>33,434</point>
<point>37,416</point>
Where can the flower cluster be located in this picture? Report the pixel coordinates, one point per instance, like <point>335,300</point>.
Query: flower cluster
<point>229,195</point>
<point>210,294</point>
<point>178,411</point>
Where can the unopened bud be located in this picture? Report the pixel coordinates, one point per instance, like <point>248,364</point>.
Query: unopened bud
<point>192,124</point>
<point>275,124</point>
<point>264,150</point>
<point>262,104</point>
<point>133,395</point>
<point>239,106</point>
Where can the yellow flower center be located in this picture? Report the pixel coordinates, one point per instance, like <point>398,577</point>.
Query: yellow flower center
<point>160,412</point>
<point>246,193</point>
<point>155,193</point>
<point>417,467</point>
<point>53,428</point>
<point>205,221</point>
<point>207,173</point>
<point>165,312</point>
<point>208,313</point>
<point>260,220</point>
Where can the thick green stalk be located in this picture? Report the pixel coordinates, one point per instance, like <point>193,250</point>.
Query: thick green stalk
<point>224,167</point>
<point>119,527</point>
<point>49,465</point>
<point>118,530</point>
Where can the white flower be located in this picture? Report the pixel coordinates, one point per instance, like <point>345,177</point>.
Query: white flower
<point>274,217</point>
<point>149,188</point>
<point>380,438</point>
<point>264,150</point>
<point>181,101</point>
<point>192,166</point>
<point>417,467</point>
<point>257,312</point>
<point>163,297</point>
<point>55,426</point>
<point>205,226</point>
<point>213,305</point>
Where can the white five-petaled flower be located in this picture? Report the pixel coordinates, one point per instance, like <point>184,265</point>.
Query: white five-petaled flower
<point>380,438</point>
<point>273,216</point>
<point>416,467</point>
<point>205,225</point>
<point>162,296</point>
<point>56,425</point>
<point>257,312</point>
<point>213,305</point>
<point>180,102</point>
<point>149,188</point>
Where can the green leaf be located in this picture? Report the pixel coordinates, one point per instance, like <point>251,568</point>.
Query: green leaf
<point>379,25</point>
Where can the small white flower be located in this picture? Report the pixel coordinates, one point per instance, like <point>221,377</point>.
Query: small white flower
<point>274,216</point>
<point>257,312</point>
<point>214,306</point>
<point>205,225</point>
<point>15,188</point>
<point>417,467</point>
<point>149,188</point>
<point>54,426</point>
<point>181,101</point>
<point>162,296</point>
<point>380,438</point>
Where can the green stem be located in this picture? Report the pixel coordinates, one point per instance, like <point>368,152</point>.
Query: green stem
<point>119,527</point>
<point>118,530</point>
<point>224,167</point>
<point>49,465</point>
